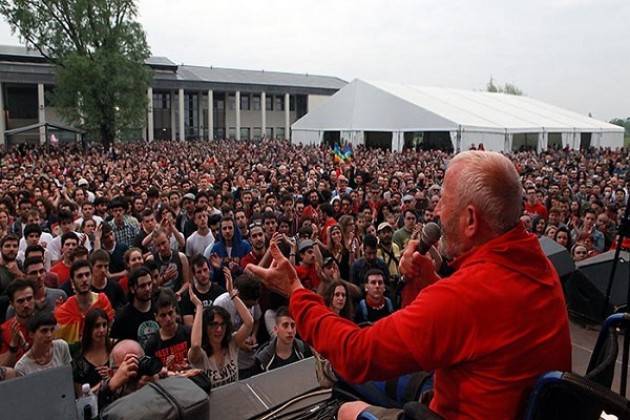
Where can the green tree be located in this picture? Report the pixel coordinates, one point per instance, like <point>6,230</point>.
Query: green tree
<point>625,123</point>
<point>507,88</point>
<point>98,51</point>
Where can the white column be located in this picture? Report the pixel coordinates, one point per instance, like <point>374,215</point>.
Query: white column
<point>173,119</point>
<point>182,124</point>
<point>287,117</point>
<point>237,99</point>
<point>210,116</point>
<point>3,127</point>
<point>263,114</point>
<point>42,112</point>
<point>150,115</point>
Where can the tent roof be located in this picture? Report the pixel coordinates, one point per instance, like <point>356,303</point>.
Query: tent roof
<point>44,124</point>
<point>383,106</point>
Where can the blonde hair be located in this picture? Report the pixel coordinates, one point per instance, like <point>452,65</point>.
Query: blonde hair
<point>489,181</point>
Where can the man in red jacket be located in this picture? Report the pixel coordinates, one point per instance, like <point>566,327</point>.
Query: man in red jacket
<point>488,331</point>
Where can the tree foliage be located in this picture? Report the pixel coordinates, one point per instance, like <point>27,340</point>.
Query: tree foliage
<point>625,123</point>
<point>98,50</point>
<point>507,88</point>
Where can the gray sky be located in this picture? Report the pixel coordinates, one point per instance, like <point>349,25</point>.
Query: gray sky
<point>571,53</point>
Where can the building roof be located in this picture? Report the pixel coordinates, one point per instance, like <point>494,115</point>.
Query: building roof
<point>383,106</point>
<point>169,70</point>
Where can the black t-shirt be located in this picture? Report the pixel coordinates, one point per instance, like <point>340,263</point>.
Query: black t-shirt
<point>373,314</point>
<point>132,324</point>
<point>84,372</point>
<point>278,362</point>
<point>173,353</point>
<point>207,298</point>
<point>114,293</point>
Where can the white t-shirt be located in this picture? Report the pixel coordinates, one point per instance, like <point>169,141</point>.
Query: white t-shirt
<point>44,240</point>
<point>221,375</point>
<point>246,359</point>
<point>60,357</point>
<point>54,247</point>
<point>197,244</point>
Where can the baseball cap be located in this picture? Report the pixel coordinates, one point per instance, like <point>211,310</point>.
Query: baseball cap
<point>189,196</point>
<point>305,244</point>
<point>384,225</point>
<point>408,197</point>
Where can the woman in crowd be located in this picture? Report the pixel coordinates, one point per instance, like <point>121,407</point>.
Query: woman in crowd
<point>214,347</point>
<point>337,249</point>
<point>92,364</point>
<point>563,237</point>
<point>337,298</point>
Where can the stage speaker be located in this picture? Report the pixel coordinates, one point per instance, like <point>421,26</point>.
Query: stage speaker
<point>598,268</point>
<point>255,396</point>
<point>45,395</point>
<point>558,255</point>
<point>585,289</point>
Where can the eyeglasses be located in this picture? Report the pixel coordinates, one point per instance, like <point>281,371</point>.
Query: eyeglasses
<point>215,324</point>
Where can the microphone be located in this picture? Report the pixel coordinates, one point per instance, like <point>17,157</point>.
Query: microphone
<point>431,233</point>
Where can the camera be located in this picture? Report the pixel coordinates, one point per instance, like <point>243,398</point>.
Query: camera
<point>149,366</point>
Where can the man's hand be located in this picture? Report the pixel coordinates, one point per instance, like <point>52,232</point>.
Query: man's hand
<point>414,265</point>
<point>128,370</point>
<point>281,277</point>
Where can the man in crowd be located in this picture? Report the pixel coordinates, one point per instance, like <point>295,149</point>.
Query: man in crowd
<point>69,243</point>
<point>9,268</point>
<point>123,229</point>
<point>46,298</point>
<point>135,321</point>
<point>101,283</point>
<point>171,342</point>
<point>202,238</point>
<point>402,235</point>
<point>283,348</point>
<point>203,287</point>
<point>361,266</point>
<point>375,305</point>
<point>71,314</point>
<point>15,338</point>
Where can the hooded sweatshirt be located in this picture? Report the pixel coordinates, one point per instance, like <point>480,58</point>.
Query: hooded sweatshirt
<point>489,331</point>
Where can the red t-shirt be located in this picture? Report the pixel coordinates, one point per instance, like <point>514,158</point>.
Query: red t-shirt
<point>250,258</point>
<point>489,331</point>
<point>62,271</point>
<point>536,209</point>
<point>308,276</point>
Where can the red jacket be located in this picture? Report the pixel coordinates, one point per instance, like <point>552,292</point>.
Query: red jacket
<point>488,331</point>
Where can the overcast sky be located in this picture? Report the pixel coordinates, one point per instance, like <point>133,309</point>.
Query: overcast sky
<point>571,53</point>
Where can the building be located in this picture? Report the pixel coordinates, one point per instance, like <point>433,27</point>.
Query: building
<point>185,102</point>
<point>397,116</point>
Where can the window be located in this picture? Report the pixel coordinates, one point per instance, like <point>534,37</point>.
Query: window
<point>219,133</point>
<point>245,102</point>
<point>269,133</point>
<point>291,103</point>
<point>244,133</point>
<point>280,133</point>
<point>256,102</point>
<point>232,133</point>
<point>269,103</point>
<point>278,103</point>
<point>257,133</point>
<point>231,102</point>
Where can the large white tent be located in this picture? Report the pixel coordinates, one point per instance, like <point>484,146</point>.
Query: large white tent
<point>500,122</point>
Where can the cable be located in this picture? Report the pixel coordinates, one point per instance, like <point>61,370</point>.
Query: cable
<point>293,401</point>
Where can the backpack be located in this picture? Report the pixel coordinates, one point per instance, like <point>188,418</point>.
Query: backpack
<point>173,398</point>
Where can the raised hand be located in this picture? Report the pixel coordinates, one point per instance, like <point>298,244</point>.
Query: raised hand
<point>281,276</point>
<point>229,283</point>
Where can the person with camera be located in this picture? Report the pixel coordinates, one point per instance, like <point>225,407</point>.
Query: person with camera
<point>130,370</point>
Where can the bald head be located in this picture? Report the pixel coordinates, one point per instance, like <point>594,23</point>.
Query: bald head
<point>123,348</point>
<point>489,182</point>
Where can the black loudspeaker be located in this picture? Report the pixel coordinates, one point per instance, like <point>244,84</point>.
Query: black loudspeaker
<point>45,395</point>
<point>598,268</point>
<point>585,290</point>
<point>558,255</point>
<point>260,394</point>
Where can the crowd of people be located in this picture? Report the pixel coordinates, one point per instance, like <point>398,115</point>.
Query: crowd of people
<point>142,250</point>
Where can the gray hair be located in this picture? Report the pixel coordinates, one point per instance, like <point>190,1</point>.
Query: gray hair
<point>489,181</point>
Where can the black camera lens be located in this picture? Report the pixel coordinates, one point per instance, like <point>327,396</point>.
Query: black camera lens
<point>149,366</point>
